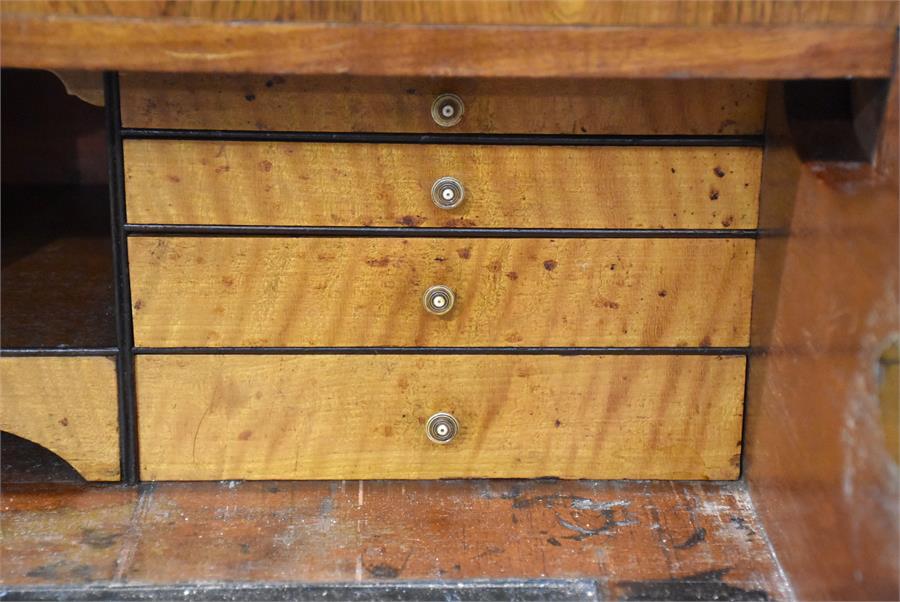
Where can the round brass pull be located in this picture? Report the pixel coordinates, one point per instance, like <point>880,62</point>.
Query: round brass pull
<point>447,110</point>
<point>442,428</point>
<point>447,192</point>
<point>438,299</point>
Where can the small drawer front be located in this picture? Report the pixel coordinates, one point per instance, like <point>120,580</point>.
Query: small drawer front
<point>69,405</point>
<point>399,185</point>
<point>353,104</point>
<point>365,417</point>
<point>298,292</point>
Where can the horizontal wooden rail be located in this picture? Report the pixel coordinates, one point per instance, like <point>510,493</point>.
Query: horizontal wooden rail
<point>779,52</point>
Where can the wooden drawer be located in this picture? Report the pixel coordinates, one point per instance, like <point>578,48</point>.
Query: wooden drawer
<point>68,405</point>
<point>331,184</point>
<point>354,104</point>
<point>244,291</point>
<point>363,417</point>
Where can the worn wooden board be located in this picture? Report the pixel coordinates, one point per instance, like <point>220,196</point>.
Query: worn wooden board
<point>362,417</point>
<point>328,184</point>
<point>521,12</point>
<point>64,534</point>
<point>376,49</point>
<point>692,540</point>
<point>68,405</point>
<point>299,292</point>
<point>517,106</point>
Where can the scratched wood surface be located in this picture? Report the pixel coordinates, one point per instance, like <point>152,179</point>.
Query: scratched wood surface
<point>68,405</point>
<point>298,292</point>
<point>507,106</point>
<point>328,184</point>
<point>361,416</point>
<point>656,540</point>
<point>825,309</point>
<point>521,12</point>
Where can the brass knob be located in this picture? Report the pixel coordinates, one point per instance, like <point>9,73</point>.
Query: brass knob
<point>447,192</point>
<point>447,110</point>
<point>438,299</point>
<point>441,427</point>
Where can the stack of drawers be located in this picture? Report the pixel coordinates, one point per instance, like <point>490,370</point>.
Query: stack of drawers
<point>339,278</point>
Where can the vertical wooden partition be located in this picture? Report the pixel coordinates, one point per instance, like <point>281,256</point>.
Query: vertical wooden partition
<point>825,306</point>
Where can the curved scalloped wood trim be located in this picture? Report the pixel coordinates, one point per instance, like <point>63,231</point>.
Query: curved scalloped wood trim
<point>85,85</point>
<point>66,404</point>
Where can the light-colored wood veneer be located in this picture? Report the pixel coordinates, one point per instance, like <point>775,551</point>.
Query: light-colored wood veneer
<point>298,292</point>
<point>363,416</point>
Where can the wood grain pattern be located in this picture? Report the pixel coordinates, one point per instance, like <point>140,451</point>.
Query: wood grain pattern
<point>328,184</point>
<point>352,104</point>
<point>362,417</point>
<point>520,12</point>
<point>643,538</point>
<point>68,405</point>
<point>321,48</point>
<point>201,291</point>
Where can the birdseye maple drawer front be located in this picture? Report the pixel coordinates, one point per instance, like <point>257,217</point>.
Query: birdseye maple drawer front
<point>350,184</point>
<point>297,292</point>
<point>68,405</point>
<point>371,104</point>
<point>365,417</point>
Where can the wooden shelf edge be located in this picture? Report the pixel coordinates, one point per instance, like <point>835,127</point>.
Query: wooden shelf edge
<point>775,52</point>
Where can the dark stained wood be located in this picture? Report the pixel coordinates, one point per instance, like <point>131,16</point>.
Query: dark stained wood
<point>825,307</point>
<point>460,12</point>
<point>57,294</point>
<point>632,538</point>
<point>23,461</point>
<point>48,137</point>
<point>56,286</point>
<point>409,50</point>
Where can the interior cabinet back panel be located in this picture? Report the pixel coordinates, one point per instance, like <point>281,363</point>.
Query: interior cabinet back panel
<point>329,184</point>
<point>373,104</point>
<point>362,417</point>
<point>298,292</point>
